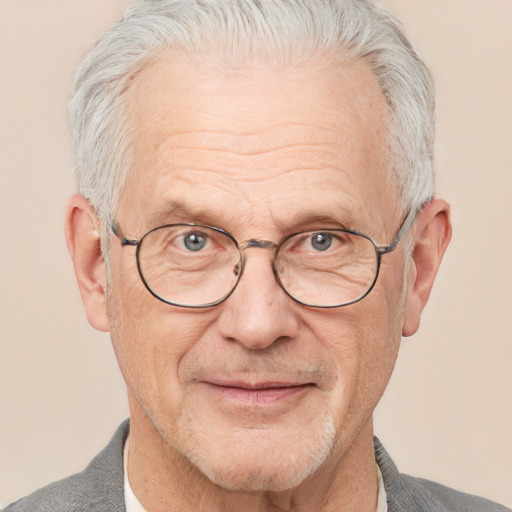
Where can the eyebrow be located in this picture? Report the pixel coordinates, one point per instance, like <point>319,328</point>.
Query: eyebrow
<point>342,217</point>
<point>175,211</point>
<point>307,221</point>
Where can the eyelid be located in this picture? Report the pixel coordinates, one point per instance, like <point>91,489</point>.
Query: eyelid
<point>174,236</point>
<point>327,226</point>
<point>335,232</point>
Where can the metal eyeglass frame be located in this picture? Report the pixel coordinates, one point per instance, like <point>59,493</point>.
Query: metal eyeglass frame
<point>267,244</point>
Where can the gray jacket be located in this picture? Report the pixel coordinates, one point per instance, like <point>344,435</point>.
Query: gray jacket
<point>100,488</point>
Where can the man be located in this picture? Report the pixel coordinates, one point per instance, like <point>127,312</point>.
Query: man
<point>256,228</point>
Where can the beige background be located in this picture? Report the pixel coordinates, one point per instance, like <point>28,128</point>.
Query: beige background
<point>447,413</point>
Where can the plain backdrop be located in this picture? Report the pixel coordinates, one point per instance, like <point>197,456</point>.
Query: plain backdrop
<point>447,413</point>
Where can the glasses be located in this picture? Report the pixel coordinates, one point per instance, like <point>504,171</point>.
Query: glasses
<point>196,266</point>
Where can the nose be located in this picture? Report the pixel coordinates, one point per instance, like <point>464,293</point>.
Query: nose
<point>258,313</point>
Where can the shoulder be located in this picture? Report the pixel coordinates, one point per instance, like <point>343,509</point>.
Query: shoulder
<point>99,487</point>
<point>445,498</point>
<point>405,493</point>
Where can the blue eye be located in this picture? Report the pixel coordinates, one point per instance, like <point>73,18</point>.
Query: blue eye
<point>321,241</point>
<point>195,241</point>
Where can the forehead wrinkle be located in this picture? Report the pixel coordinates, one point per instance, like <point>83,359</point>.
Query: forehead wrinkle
<point>264,140</point>
<point>192,101</point>
<point>179,204</point>
<point>256,166</point>
<point>255,152</point>
<point>223,143</point>
<point>171,131</point>
<point>253,176</point>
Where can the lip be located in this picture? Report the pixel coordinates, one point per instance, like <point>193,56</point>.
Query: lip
<point>258,394</point>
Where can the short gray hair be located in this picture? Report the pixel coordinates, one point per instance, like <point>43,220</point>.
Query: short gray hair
<point>277,32</point>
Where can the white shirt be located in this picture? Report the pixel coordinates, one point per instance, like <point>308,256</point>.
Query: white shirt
<point>133,504</point>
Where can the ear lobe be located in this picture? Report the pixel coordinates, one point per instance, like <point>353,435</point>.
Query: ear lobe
<point>84,244</point>
<point>432,233</point>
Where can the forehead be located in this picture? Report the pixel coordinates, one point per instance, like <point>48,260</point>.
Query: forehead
<point>241,141</point>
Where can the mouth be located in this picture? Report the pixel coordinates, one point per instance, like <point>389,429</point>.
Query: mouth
<point>261,393</point>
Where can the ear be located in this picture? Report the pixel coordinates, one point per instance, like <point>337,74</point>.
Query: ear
<point>82,230</point>
<point>431,234</point>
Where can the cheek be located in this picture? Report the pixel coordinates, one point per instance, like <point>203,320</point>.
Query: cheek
<point>363,341</point>
<point>150,339</point>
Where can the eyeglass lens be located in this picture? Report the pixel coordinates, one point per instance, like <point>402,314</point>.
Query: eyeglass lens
<point>196,266</point>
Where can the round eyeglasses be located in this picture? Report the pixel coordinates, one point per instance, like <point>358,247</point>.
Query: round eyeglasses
<point>196,266</point>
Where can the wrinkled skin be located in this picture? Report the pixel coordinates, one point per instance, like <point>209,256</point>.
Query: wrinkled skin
<point>261,153</point>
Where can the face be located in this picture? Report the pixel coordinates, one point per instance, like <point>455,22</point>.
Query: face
<point>258,392</point>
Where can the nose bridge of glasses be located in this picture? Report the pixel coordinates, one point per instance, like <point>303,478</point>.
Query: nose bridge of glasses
<point>256,243</point>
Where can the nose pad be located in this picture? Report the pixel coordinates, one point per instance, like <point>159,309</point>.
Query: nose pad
<point>258,283</point>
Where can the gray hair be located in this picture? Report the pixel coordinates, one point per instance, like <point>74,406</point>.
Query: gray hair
<point>276,32</point>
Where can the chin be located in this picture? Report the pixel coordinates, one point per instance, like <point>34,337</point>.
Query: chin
<point>266,459</point>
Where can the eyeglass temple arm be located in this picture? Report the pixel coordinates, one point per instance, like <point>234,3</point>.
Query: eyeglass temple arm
<point>406,225</point>
<point>117,232</point>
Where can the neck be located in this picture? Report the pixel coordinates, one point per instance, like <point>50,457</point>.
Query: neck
<point>164,480</point>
